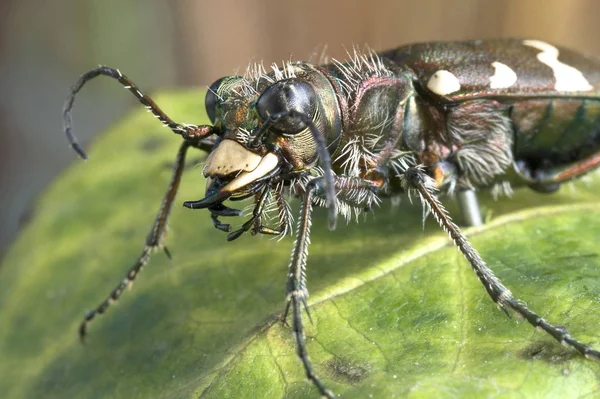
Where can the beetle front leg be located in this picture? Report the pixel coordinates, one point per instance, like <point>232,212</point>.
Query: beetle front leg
<point>153,240</point>
<point>352,193</point>
<point>416,179</point>
<point>296,288</point>
<point>256,215</point>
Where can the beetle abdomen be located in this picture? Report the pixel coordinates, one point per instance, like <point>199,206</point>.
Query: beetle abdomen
<point>553,133</point>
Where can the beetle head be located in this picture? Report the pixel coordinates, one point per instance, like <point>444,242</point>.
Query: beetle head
<point>264,127</point>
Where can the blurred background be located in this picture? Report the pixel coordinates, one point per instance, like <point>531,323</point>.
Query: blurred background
<point>46,45</point>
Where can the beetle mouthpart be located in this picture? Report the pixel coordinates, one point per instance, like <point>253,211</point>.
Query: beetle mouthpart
<point>217,192</point>
<point>266,165</point>
<point>206,201</point>
<point>230,157</point>
<point>213,195</point>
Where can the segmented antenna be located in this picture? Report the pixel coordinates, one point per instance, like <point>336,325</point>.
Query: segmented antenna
<point>188,132</point>
<point>321,151</point>
<point>326,164</point>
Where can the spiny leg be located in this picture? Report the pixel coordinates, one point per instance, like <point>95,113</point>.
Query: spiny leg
<point>254,223</point>
<point>350,192</point>
<point>256,214</point>
<point>283,214</point>
<point>576,170</point>
<point>416,179</point>
<point>285,217</point>
<point>153,240</point>
<point>296,289</point>
<point>218,210</point>
<point>188,132</point>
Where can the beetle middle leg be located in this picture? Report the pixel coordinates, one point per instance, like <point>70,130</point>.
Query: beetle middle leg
<point>549,180</point>
<point>445,176</point>
<point>153,240</point>
<point>469,207</point>
<point>417,180</point>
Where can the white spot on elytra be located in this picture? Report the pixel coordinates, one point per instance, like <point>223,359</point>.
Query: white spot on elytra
<point>503,77</point>
<point>443,83</point>
<point>567,77</point>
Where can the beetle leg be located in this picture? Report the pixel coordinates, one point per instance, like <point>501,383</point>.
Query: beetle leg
<point>469,207</point>
<point>153,240</point>
<point>296,288</point>
<point>560,174</point>
<point>221,210</point>
<point>285,219</point>
<point>256,214</point>
<point>416,179</point>
<point>352,193</point>
<point>283,223</point>
<point>444,174</point>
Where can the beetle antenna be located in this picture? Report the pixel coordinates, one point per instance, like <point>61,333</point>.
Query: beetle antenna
<point>321,151</point>
<point>188,132</point>
<point>325,163</point>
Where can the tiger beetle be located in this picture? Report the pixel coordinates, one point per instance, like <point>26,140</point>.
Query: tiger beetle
<point>431,118</point>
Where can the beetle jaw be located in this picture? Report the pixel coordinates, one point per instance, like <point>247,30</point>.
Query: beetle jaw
<point>231,170</point>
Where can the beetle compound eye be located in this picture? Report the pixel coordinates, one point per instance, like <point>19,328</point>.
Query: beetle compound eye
<point>212,98</point>
<point>218,93</point>
<point>285,96</point>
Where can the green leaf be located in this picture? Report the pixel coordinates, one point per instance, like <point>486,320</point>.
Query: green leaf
<point>396,309</point>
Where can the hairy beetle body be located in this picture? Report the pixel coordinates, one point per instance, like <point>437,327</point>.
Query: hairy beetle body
<point>503,112</point>
<point>499,112</point>
<point>539,104</point>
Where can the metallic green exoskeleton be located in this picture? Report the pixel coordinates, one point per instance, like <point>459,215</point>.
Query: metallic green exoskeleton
<point>433,117</point>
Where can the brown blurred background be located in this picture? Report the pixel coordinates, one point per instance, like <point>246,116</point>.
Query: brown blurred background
<point>46,45</point>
